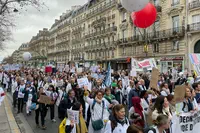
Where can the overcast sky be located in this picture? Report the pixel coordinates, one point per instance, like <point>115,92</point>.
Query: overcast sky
<point>29,22</point>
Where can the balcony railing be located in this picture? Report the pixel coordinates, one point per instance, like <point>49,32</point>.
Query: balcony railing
<point>108,30</point>
<point>194,4</point>
<point>101,9</point>
<point>99,21</point>
<point>193,27</point>
<point>169,33</point>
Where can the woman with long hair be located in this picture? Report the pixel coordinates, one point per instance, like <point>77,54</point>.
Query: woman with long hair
<point>161,106</point>
<point>118,122</point>
<point>189,104</point>
<point>134,129</point>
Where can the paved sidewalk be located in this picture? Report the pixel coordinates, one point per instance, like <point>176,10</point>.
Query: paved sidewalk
<point>7,121</point>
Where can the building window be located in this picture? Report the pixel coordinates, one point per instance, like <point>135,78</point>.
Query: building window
<point>175,45</point>
<point>123,51</point>
<point>196,18</point>
<point>124,34</point>
<point>156,47</point>
<point>124,17</point>
<point>136,31</point>
<point>156,2</point>
<point>156,26</point>
<point>175,22</point>
<point>175,2</point>
<point>113,54</point>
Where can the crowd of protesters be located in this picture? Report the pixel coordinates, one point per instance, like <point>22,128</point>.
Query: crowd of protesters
<point>128,105</point>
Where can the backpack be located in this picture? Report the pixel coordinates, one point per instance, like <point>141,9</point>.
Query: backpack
<point>146,130</point>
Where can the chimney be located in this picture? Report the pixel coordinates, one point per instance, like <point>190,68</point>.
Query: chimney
<point>68,11</point>
<point>56,20</point>
<point>75,7</point>
<point>45,29</point>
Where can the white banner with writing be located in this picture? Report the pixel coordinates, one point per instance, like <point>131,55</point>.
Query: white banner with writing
<point>186,123</point>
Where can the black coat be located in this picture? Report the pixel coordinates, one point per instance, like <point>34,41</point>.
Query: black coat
<point>64,105</point>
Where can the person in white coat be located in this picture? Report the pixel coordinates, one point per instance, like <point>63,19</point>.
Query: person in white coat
<point>99,110</point>
<point>2,95</point>
<point>118,122</point>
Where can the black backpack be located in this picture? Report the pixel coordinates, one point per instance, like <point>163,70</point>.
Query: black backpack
<point>146,130</point>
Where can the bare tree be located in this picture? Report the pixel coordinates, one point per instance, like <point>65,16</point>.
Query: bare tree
<point>8,60</point>
<point>8,8</point>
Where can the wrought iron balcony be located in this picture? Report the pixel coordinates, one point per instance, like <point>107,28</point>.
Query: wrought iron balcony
<point>169,33</point>
<point>101,9</point>
<point>78,30</point>
<point>99,21</point>
<point>194,4</point>
<point>102,32</point>
<point>193,27</point>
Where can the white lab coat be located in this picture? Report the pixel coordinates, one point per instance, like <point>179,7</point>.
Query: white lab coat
<point>2,95</point>
<point>118,129</point>
<point>96,113</point>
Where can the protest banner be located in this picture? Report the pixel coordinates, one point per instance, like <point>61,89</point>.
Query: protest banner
<point>154,78</point>
<point>73,115</point>
<point>186,123</point>
<point>179,93</point>
<point>45,99</point>
<point>195,60</point>
<point>82,82</point>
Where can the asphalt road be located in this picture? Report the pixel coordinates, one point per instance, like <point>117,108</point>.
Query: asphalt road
<point>27,123</point>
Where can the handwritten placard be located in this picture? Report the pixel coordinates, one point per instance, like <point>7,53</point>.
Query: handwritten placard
<point>179,93</point>
<point>82,82</point>
<point>154,78</point>
<point>73,115</point>
<point>45,99</point>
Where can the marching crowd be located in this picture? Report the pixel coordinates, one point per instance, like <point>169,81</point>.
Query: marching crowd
<point>128,105</point>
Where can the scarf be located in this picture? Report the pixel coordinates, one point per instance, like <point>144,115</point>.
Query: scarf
<point>81,127</point>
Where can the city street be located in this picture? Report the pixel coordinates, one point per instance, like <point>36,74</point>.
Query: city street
<point>27,123</point>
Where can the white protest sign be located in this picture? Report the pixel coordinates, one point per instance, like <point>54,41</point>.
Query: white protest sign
<point>79,70</point>
<point>186,123</point>
<point>133,73</point>
<point>82,82</point>
<point>66,68</point>
<point>73,115</point>
<point>94,75</point>
<point>134,64</point>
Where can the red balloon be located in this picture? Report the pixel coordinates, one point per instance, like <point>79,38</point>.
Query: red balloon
<point>145,17</point>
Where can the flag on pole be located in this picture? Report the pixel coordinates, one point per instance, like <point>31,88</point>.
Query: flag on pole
<point>108,80</point>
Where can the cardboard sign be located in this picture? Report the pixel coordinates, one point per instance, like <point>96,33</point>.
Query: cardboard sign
<point>45,99</point>
<point>82,82</point>
<point>154,78</point>
<point>179,93</point>
<point>73,115</point>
